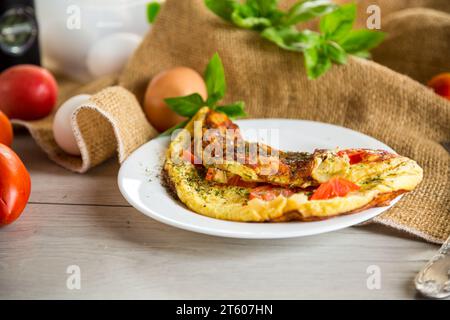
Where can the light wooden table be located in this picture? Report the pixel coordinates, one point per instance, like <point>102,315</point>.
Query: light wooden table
<point>83,220</point>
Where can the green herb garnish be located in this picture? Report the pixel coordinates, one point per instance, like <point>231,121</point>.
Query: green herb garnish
<point>335,41</point>
<point>216,86</point>
<point>153,9</point>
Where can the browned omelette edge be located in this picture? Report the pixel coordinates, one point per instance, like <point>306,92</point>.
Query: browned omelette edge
<point>382,200</point>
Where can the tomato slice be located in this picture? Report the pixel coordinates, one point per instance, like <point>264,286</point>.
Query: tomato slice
<point>233,180</point>
<point>335,187</point>
<point>210,174</point>
<point>269,192</point>
<point>190,157</point>
<point>238,182</point>
<point>355,155</point>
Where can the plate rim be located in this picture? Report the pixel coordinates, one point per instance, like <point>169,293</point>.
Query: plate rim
<point>239,234</point>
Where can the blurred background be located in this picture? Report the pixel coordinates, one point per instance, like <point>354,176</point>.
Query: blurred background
<point>83,39</point>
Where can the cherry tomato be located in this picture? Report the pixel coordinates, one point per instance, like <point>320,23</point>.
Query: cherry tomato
<point>268,192</point>
<point>335,187</point>
<point>441,85</point>
<point>15,185</point>
<point>6,130</point>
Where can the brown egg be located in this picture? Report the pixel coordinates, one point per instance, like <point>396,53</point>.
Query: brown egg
<point>176,82</point>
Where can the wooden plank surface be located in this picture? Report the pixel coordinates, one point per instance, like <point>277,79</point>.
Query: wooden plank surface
<point>83,220</point>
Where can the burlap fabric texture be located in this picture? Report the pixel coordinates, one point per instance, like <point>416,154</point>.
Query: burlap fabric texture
<point>362,95</point>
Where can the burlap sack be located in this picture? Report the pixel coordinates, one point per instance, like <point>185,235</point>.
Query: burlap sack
<point>112,120</point>
<point>419,35</point>
<point>363,95</point>
<point>419,50</point>
<point>388,7</point>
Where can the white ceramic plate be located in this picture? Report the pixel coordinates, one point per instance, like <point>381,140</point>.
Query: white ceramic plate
<point>140,182</point>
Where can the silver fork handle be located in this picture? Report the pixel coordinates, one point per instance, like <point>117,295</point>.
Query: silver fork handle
<point>434,279</point>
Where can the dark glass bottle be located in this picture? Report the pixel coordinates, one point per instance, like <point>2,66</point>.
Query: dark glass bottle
<point>19,42</point>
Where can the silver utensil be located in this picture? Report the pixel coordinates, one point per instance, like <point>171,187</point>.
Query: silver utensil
<point>434,279</point>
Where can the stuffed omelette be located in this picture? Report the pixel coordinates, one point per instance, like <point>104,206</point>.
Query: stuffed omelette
<point>290,186</point>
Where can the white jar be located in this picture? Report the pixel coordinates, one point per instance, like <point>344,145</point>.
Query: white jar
<point>70,28</point>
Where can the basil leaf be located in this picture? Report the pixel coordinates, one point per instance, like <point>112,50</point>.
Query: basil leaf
<point>235,110</point>
<point>333,44</point>
<point>169,131</point>
<point>362,40</point>
<point>338,23</point>
<point>336,53</point>
<point>362,54</point>
<point>289,38</point>
<point>264,7</point>
<point>254,23</point>
<point>246,17</point>
<point>186,106</point>
<point>222,8</point>
<point>276,17</point>
<point>215,80</point>
<point>316,62</point>
<point>308,9</point>
<point>153,9</point>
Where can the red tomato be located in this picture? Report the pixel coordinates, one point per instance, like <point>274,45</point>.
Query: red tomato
<point>335,187</point>
<point>27,92</point>
<point>441,85</point>
<point>238,182</point>
<point>15,185</point>
<point>210,174</point>
<point>190,157</point>
<point>6,130</point>
<point>269,192</point>
<point>355,155</point>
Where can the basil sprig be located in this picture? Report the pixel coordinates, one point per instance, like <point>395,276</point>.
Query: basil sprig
<point>216,86</point>
<point>335,41</point>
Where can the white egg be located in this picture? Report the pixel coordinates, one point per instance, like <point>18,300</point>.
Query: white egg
<point>62,127</point>
<point>110,54</point>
